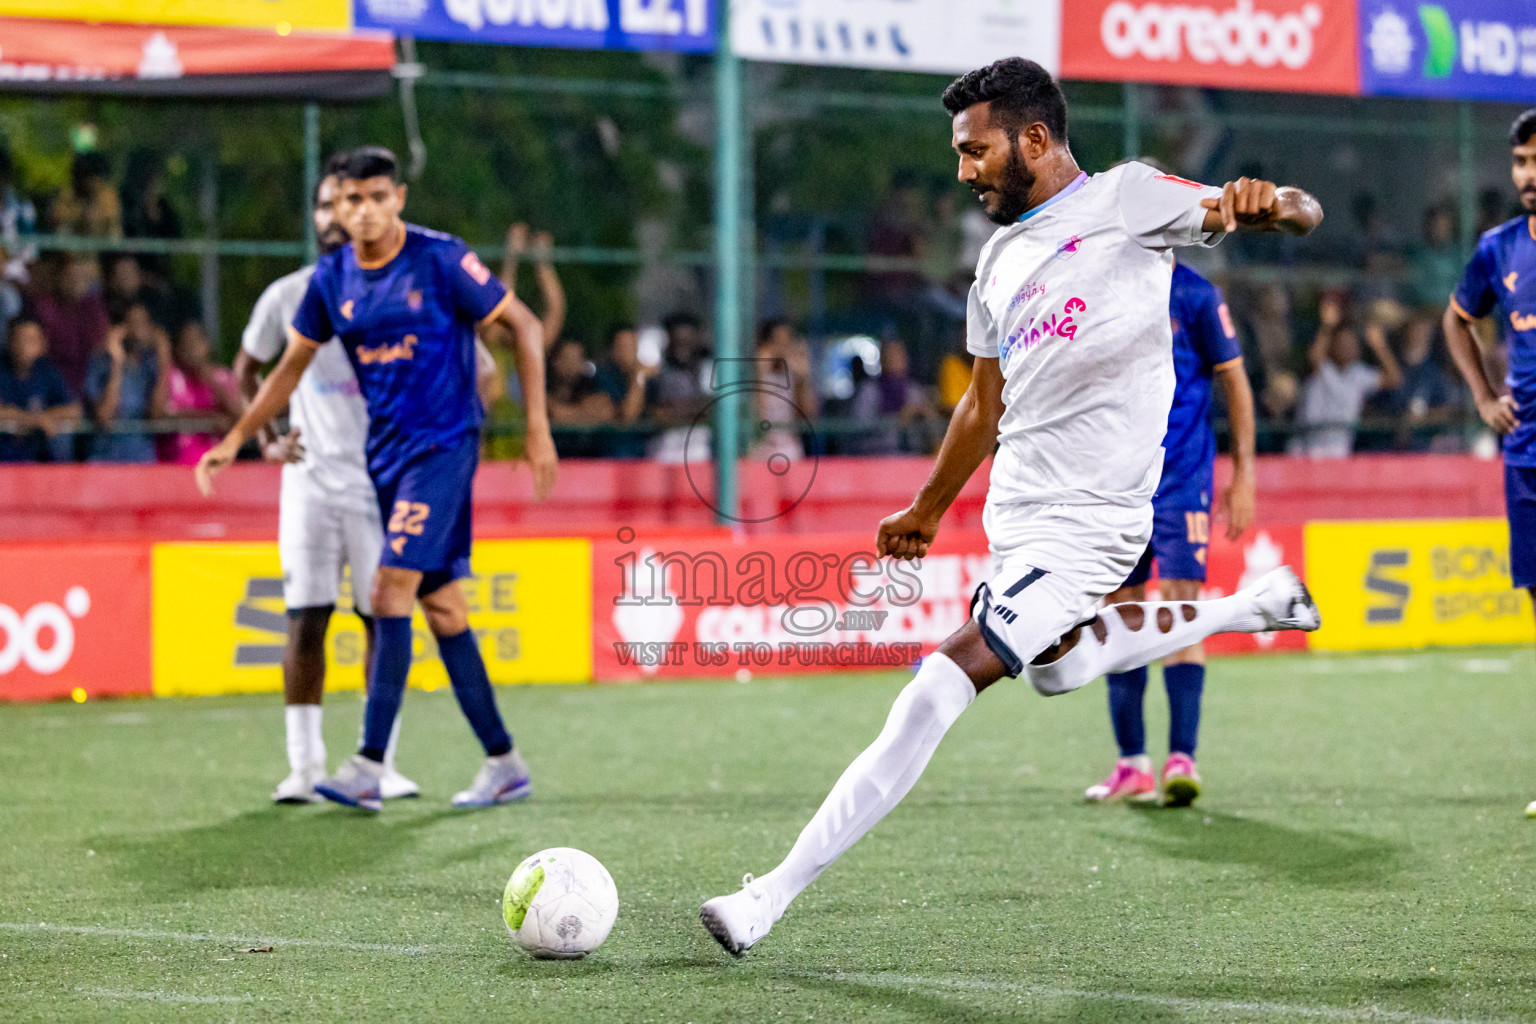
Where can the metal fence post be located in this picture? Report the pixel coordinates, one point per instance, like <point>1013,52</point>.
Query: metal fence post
<point>728,265</point>
<point>1466,178</point>
<point>311,178</point>
<point>1130,124</point>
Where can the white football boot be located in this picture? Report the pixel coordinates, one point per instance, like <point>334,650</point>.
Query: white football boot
<point>739,920</point>
<point>394,786</point>
<point>500,780</point>
<point>299,786</point>
<point>356,784</point>
<point>1282,600</point>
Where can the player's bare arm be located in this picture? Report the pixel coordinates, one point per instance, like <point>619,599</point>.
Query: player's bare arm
<point>1252,204</point>
<point>971,436</point>
<point>1500,412</point>
<point>1237,502</point>
<point>286,448</point>
<point>528,337</point>
<point>271,398</point>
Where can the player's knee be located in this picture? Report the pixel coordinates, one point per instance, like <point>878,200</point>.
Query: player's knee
<point>1066,665</point>
<point>307,628</point>
<point>394,591</point>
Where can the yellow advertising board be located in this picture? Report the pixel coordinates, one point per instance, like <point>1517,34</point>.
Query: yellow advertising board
<point>1414,583</point>
<point>317,15</point>
<point>219,622</point>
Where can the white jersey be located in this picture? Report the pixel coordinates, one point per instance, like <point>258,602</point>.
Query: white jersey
<point>327,407</point>
<point>1073,302</point>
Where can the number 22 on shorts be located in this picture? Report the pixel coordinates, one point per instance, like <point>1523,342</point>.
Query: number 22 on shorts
<point>408,517</point>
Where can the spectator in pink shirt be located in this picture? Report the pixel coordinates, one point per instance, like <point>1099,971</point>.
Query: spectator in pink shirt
<point>198,389</point>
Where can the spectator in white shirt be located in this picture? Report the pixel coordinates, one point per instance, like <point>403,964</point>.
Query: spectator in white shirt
<point>1331,400</point>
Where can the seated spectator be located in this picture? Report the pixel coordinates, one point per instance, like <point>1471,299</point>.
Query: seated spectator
<point>678,393</point>
<point>1431,399</point>
<point>18,221</point>
<point>197,388</point>
<point>73,317</point>
<point>786,399</point>
<point>126,285</point>
<point>623,378</point>
<point>127,382</point>
<point>89,207</point>
<point>1435,264</point>
<point>574,397</point>
<point>37,411</point>
<point>891,402</point>
<point>1331,400</point>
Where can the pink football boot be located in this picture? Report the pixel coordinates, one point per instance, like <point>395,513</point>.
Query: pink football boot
<point>1181,781</point>
<point>1127,783</point>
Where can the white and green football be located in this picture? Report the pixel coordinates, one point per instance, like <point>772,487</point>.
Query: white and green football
<point>560,904</point>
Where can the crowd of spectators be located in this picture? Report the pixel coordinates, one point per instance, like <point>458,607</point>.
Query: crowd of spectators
<point>100,354</point>
<point>103,358</point>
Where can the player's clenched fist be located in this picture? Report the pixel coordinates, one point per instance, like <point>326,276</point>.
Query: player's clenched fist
<point>906,534</point>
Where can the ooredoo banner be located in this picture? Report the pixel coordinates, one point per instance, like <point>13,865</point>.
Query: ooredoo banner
<point>220,626</point>
<point>1455,49</point>
<point>1277,45</point>
<point>1415,583</point>
<point>74,617</point>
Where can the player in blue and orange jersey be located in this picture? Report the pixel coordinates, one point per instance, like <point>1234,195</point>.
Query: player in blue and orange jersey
<point>1502,278</point>
<point>406,303</point>
<point>1205,350</point>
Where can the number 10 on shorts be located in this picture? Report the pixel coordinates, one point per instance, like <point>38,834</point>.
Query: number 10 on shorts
<point>408,517</point>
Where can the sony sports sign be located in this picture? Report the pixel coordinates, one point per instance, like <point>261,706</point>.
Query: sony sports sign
<point>1451,49</point>
<point>1280,45</point>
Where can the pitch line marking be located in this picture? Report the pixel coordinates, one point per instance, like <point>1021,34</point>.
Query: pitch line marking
<point>234,940</point>
<point>1188,1003</point>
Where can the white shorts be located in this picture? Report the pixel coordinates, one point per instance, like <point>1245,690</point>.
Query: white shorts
<point>317,538</point>
<point>1051,566</point>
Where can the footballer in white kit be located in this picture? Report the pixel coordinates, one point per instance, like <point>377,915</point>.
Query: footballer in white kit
<point>1073,379</point>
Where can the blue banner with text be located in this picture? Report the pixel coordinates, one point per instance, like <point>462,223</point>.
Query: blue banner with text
<point>684,25</point>
<point>1452,49</point>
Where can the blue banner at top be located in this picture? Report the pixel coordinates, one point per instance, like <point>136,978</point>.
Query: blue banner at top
<point>1451,49</point>
<point>685,25</point>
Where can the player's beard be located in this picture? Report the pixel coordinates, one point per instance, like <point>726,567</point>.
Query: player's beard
<point>1012,189</point>
<point>334,238</point>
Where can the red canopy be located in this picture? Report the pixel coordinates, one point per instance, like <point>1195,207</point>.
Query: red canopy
<point>37,55</point>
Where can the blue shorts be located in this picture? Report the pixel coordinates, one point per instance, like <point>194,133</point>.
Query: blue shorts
<point>1520,504</point>
<point>426,513</point>
<point>1181,529</point>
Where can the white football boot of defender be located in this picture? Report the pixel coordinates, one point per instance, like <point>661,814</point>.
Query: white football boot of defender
<point>500,780</point>
<point>739,920</point>
<point>1283,601</point>
<point>299,786</point>
<point>393,785</point>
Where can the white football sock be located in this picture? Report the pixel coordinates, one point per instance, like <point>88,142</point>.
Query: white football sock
<point>1127,636</point>
<point>316,736</point>
<point>878,778</point>
<point>296,719</point>
<point>394,741</point>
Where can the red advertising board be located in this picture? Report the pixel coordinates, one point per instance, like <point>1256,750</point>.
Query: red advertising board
<point>74,616</point>
<point>1278,45</point>
<point>695,607</point>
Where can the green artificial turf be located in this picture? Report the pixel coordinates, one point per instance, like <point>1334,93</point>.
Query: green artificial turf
<point>1360,854</point>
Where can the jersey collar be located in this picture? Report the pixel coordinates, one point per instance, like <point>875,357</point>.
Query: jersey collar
<point>1077,183</point>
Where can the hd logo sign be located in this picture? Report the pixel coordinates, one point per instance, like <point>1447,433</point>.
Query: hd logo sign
<point>220,625</point>
<point>1406,584</point>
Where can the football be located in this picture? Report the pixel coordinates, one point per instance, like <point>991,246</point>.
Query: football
<point>560,904</point>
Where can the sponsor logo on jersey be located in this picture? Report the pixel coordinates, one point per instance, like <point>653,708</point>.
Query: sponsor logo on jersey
<point>1226,320</point>
<point>1026,293</point>
<point>346,309</point>
<point>1071,247</point>
<point>1037,329</point>
<point>475,269</point>
<point>413,300</point>
<point>1525,322</point>
<point>404,349</point>
<point>1510,278</point>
